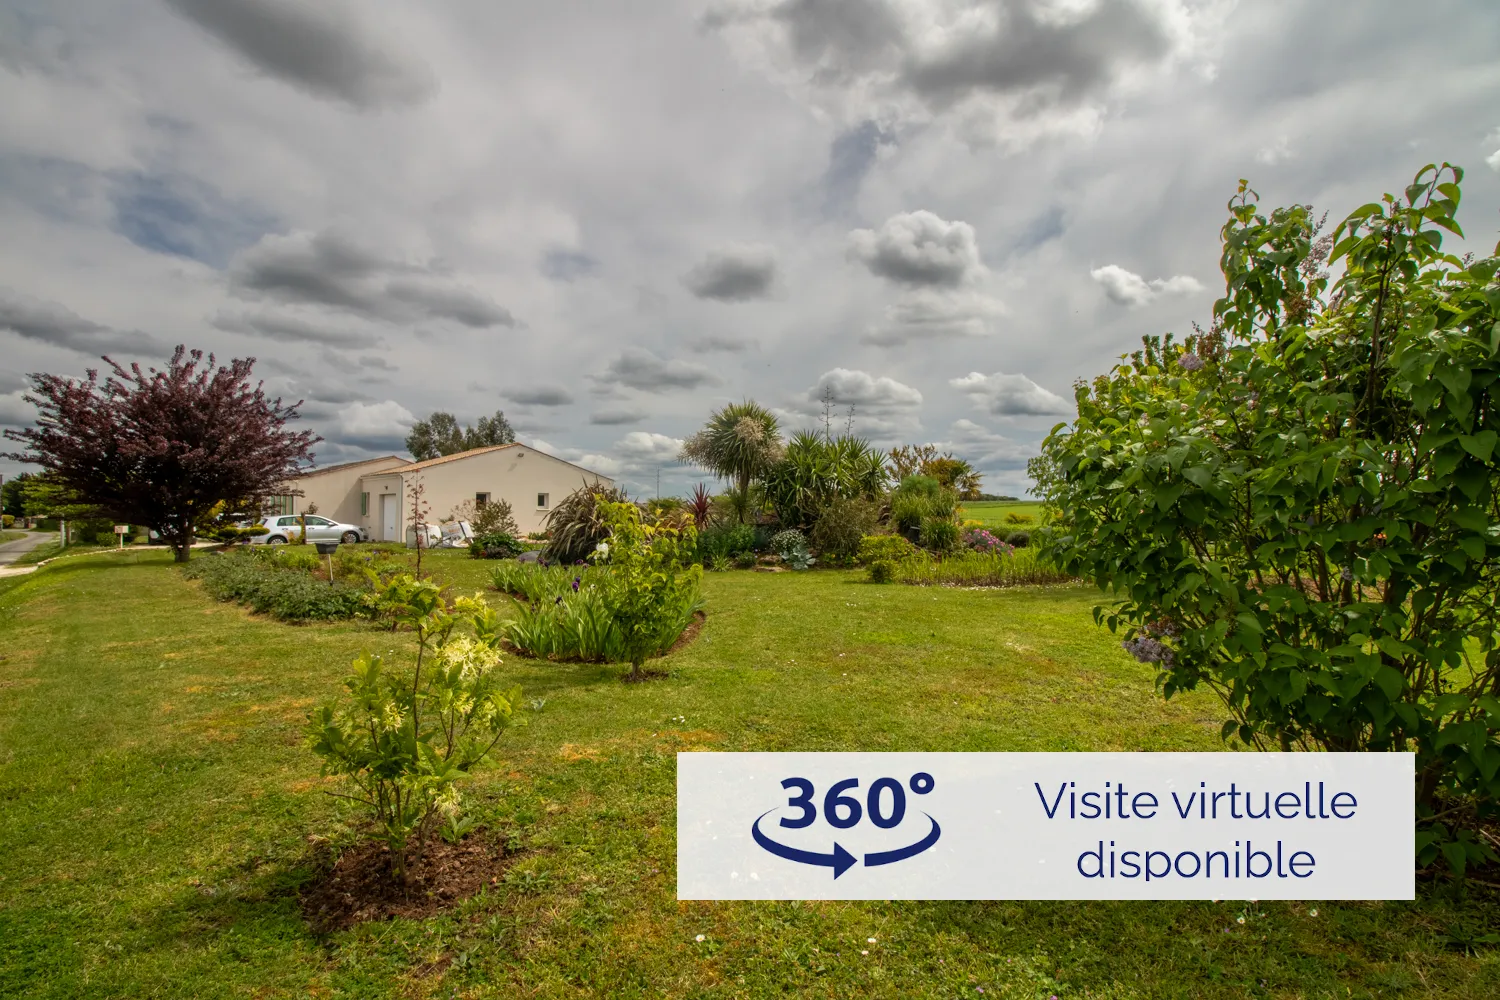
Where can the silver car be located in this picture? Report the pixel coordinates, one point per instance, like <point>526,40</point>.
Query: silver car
<point>284,527</point>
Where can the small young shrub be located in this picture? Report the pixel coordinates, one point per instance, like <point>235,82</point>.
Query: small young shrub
<point>7,521</point>
<point>720,564</point>
<point>882,571</point>
<point>650,573</point>
<point>939,534</point>
<point>744,560</point>
<point>725,540</point>
<point>841,527</point>
<point>496,545</point>
<point>1018,539</point>
<point>266,588</point>
<point>1014,518</point>
<point>403,738</point>
<point>873,548</point>
<point>785,542</point>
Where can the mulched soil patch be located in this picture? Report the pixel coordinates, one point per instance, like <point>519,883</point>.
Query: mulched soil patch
<point>360,888</point>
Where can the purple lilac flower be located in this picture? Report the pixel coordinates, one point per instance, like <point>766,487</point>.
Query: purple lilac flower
<point>1148,650</point>
<point>1190,362</point>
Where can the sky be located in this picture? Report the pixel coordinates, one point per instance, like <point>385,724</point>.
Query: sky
<point>609,219</point>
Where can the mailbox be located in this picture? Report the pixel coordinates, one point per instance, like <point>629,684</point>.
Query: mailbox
<point>326,548</point>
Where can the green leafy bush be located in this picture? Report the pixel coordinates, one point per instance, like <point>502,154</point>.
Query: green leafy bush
<point>967,568</point>
<point>939,534</point>
<point>1018,539</point>
<point>744,560</point>
<point>576,525</point>
<point>650,576</point>
<point>580,626</point>
<point>724,540</point>
<point>791,546</point>
<point>7,521</point>
<point>404,737</point>
<point>873,548</point>
<point>841,527</point>
<point>815,471</point>
<point>291,595</point>
<point>496,545</point>
<point>1298,509</point>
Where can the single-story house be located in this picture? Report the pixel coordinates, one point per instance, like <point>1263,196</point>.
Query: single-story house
<point>377,493</point>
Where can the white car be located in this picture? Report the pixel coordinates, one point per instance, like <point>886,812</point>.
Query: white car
<point>285,527</point>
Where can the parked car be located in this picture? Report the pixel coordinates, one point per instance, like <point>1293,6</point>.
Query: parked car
<point>284,527</point>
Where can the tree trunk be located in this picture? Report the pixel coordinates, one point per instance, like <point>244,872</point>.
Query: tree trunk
<point>181,550</point>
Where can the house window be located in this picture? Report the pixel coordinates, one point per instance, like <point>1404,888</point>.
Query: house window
<point>480,499</point>
<point>285,505</point>
<point>364,504</point>
<point>542,500</point>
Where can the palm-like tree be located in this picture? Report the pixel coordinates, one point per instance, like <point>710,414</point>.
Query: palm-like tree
<point>739,442</point>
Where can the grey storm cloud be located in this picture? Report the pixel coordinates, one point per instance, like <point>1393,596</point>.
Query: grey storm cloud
<point>568,265</point>
<point>638,368</point>
<point>1002,47</point>
<point>58,326</point>
<point>539,395</point>
<point>292,329</point>
<point>919,249</point>
<point>735,273</point>
<point>612,417</point>
<point>926,314</point>
<point>711,342</point>
<point>15,411</point>
<point>331,271</point>
<point>320,48</point>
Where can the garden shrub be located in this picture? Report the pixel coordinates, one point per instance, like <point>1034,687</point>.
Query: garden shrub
<point>876,547</point>
<point>1018,539</point>
<point>580,626</point>
<point>1297,508</point>
<point>745,559</point>
<point>576,525</point>
<point>841,527</point>
<point>982,540</point>
<point>404,737</point>
<point>791,546</point>
<point>815,471</point>
<point>291,595</point>
<point>724,540</point>
<point>650,576</point>
<point>7,521</point>
<point>493,517</point>
<point>939,534</point>
<point>1014,518</point>
<point>966,568</point>
<point>882,571</point>
<point>496,545</point>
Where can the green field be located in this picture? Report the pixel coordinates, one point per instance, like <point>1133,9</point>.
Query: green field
<point>993,512</point>
<point>11,536</point>
<point>158,811</point>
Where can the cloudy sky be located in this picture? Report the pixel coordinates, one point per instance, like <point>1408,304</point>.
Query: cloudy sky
<point>609,218</point>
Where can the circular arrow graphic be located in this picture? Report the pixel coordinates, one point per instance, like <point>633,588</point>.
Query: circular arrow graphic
<point>909,851</point>
<point>841,860</point>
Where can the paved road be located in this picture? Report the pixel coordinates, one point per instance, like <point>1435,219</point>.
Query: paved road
<point>11,551</point>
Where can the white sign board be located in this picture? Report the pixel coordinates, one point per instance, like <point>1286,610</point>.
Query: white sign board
<point>1045,826</point>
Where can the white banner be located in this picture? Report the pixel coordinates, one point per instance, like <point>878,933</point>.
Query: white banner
<point>1045,826</point>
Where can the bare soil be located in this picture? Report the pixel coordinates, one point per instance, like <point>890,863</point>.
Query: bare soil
<point>359,887</point>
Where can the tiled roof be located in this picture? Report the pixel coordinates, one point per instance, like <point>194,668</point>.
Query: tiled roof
<point>319,470</point>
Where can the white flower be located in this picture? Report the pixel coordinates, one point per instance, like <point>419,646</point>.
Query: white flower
<point>602,548</point>
<point>870,940</point>
<point>700,938</point>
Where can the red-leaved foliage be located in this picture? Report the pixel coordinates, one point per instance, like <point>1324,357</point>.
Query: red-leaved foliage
<point>161,448</point>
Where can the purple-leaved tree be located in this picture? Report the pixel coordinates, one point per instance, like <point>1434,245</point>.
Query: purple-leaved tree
<point>162,448</point>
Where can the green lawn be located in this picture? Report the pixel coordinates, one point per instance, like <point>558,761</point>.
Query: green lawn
<point>157,810</point>
<point>993,512</point>
<point>11,536</point>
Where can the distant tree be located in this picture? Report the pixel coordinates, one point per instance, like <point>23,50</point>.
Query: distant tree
<point>441,435</point>
<point>162,448</point>
<point>490,431</point>
<point>12,493</point>
<point>740,442</point>
<point>436,436</point>
<point>924,460</point>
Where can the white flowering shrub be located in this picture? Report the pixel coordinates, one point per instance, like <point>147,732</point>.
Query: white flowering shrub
<point>405,735</point>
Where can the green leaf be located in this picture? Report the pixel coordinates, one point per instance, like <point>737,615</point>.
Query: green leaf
<point>1390,681</point>
<point>1250,622</point>
<point>1480,445</point>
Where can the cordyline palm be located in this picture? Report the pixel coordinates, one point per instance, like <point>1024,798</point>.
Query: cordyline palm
<point>739,442</point>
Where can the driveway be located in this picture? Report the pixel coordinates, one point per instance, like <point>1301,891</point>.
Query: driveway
<point>11,551</point>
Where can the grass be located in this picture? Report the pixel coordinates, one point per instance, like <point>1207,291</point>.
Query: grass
<point>12,536</point>
<point>158,812</point>
<point>992,513</point>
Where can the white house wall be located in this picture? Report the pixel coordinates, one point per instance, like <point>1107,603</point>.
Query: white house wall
<point>336,492</point>
<point>515,475</point>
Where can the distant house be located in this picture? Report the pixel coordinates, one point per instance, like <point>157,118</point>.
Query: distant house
<point>377,493</point>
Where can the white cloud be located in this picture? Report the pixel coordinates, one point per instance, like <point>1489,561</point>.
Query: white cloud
<point>375,425</point>
<point>1010,395</point>
<point>925,314</point>
<point>16,412</point>
<point>1493,160</point>
<point>864,391</point>
<point>987,449</point>
<point>919,250</point>
<point>643,448</point>
<point>1129,289</point>
<point>1277,152</point>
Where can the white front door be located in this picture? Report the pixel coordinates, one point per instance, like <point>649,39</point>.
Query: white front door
<point>388,517</point>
